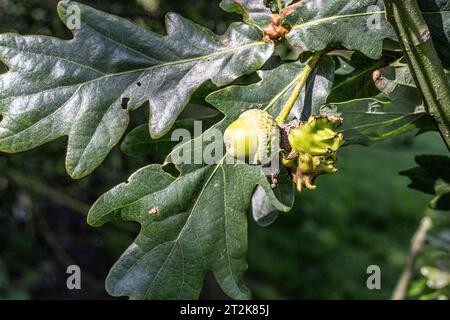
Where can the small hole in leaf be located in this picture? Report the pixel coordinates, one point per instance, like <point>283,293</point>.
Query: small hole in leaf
<point>171,169</point>
<point>139,84</point>
<point>125,102</point>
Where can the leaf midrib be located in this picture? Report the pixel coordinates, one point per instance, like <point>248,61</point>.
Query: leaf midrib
<point>401,116</point>
<point>171,63</point>
<point>225,230</point>
<point>142,70</point>
<point>337,17</point>
<point>176,240</point>
<point>344,16</point>
<point>355,76</point>
<point>283,92</point>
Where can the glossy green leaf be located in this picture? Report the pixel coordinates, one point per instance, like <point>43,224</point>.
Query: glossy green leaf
<point>397,109</point>
<point>355,24</point>
<point>85,88</point>
<point>360,25</point>
<point>374,119</point>
<point>190,225</point>
<point>397,84</point>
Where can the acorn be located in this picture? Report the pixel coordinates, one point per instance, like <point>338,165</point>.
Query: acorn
<point>254,137</point>
<point>314,144</point>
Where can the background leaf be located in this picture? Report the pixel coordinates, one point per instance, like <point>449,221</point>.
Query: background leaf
<point>353,78</point>
<point>318,24</point>
<point>139,142</point>
<point>252,11</point>
<point>65,86</point>
<point>273,4</point>
<point>397,109</point>
<point>372,119</point>
<point>264,212</point>
<point>316,90</point>
<point>432,176</point>
<point>397,84</point>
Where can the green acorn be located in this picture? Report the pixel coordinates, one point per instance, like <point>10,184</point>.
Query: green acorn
<point>254,137</point>
<point>314,144</point>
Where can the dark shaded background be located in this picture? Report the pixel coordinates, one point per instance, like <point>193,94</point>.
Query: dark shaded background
<point>361,216</point>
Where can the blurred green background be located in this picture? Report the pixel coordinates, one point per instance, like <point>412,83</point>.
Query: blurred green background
<point>363,215</point>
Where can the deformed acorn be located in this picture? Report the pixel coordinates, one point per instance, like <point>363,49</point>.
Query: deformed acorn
<point>308,167</point>
<point>314,144</point>
<point>254,137</point>
<point>317,136</point>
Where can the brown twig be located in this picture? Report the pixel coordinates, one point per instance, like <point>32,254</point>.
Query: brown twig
<point>417,241</point>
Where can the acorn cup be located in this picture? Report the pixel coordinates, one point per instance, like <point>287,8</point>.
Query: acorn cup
<point>314,145</point>
<point>254,137</point>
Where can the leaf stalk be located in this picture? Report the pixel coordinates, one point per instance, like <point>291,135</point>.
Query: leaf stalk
<point>309,67</point>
